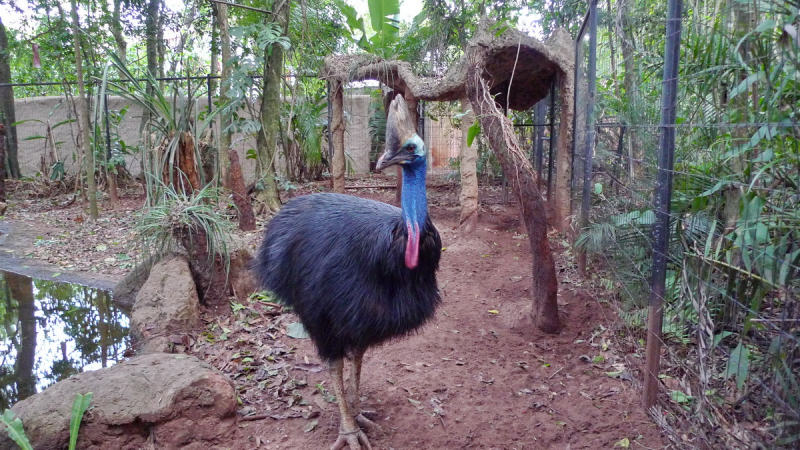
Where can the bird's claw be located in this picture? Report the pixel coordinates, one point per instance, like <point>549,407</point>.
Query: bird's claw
<point>364,422</point>
<point>355,440</point>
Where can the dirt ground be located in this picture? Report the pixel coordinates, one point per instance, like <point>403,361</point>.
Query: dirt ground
<point>478,376</point>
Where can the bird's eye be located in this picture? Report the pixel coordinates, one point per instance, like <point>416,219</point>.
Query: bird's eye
<point>411,148</point>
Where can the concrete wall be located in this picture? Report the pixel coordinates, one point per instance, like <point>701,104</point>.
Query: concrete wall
<point>443,140</point>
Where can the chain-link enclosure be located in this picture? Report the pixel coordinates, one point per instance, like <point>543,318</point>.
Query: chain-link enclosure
<point>731,319</point>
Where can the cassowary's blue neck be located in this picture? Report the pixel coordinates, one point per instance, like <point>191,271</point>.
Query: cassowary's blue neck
<point>414,202</point>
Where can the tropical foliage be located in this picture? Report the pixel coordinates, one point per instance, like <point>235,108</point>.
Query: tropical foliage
<point>732,284</point>
<point>733,254</point>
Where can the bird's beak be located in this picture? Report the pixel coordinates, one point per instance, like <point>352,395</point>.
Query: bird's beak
<point>399,128</point>
<point>391,157</point>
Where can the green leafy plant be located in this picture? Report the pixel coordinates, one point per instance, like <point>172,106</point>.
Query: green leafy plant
<point>305,155</point>
<point>55,169</point>
<point>384,23</point>
<point>16,431</point>
<point>190,221</point>
<point>79,407</point>
<point>173,153</point>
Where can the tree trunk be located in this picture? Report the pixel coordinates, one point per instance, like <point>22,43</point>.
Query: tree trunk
<point>21,289</point>
<point>119,37</point>
<point>739,108</point>
<point>337,130</point>
<point>498,129</point>
<point>2,169</point>
<point>563,163</point>
<point>161,45</point>
<point>223,48</point>
<point>631,84</point>
<point>247,221</point>
<point>188,165</point>
<point>151,50</point>
<point>83,115</point>
<point>267,141</point>
<point>7,106</point>
<point>469,172</point>
<point>209,271</point>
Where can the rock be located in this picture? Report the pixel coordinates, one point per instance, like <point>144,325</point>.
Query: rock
<point>124,293</point>
<point>176,401</point>
<point>166,305</point>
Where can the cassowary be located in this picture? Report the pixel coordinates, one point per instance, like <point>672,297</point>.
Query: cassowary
<point>358,272</point>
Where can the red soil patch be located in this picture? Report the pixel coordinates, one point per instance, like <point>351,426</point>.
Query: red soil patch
<point>480,375</point>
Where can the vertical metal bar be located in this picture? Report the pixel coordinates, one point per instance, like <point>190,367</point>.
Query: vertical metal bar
<point>505,178</point>
<point>619,160</point>
<point>591,131</point>
<point>208,95</point>
<point>666,144</point>
<point>540,114</point>
<point>552,140</point>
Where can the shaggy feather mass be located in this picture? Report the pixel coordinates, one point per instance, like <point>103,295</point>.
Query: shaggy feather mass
<point>339,262</point>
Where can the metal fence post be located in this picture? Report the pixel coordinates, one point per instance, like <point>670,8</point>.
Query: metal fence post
<point>539,139</point>
<point>208,94</point>
<point>666,153</point>
<point>591,131</point>
<point>552,149</point>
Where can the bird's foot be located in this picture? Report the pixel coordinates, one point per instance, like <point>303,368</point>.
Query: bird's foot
<point>354,439</point>
<point>364,422</point>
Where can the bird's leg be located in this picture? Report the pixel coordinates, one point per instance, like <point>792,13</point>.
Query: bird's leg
<point>355,395</point>
<point>350,434</point>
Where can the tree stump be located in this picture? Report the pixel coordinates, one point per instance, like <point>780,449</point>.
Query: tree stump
<point>247,220</point>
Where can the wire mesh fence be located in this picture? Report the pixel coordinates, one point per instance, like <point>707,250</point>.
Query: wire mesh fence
<point>730,371</point>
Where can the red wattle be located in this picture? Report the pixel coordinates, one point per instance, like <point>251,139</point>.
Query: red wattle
<point>412,245</point>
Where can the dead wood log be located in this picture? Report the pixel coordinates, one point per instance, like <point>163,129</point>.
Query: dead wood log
<point>498,130</point>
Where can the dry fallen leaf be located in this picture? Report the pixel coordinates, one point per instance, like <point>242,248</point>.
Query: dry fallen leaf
<point>310,427</point>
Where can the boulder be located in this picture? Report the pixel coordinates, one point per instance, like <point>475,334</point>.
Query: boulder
<point>166,307</point>
<point>125,292</point>
<point>176,401</point>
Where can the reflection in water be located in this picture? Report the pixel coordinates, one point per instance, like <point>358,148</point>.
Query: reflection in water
<point>52,330</point>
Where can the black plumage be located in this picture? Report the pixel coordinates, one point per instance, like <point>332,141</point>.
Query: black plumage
<point>338,261</point>
<point>357,272</point>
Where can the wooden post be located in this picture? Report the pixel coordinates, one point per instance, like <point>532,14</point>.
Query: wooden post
<point>337,126</point>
